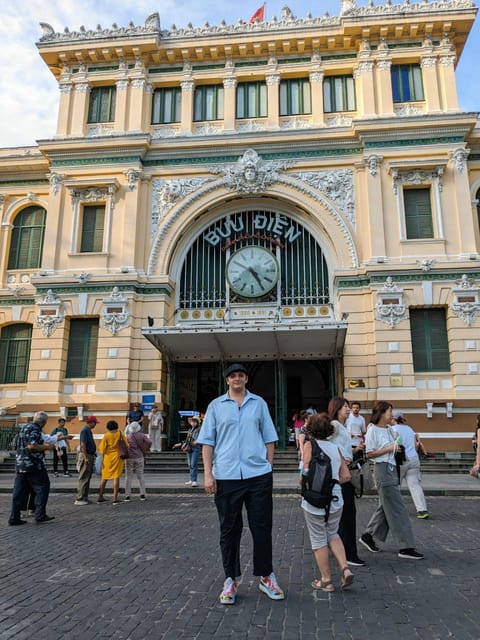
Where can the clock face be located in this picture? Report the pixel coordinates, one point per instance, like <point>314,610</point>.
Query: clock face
<point>252,272</point>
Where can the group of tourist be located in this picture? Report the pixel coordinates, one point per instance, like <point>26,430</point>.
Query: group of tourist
<point>237,440</point>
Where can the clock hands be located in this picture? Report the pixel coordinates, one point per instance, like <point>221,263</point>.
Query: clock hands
<point>255,275</point>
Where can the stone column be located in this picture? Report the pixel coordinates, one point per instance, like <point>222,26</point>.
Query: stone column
<point>186,125</point>
<point>137,102</point>
<point>273,84</point>
<point>430,83</point>
<point>447,81</point>
<point>383,79</point>
<point>121,105</point>
<point>65,108</point>
<point>229,103</point>
<point>363,75</point>
<point>316,84</point>
<point>80,109</point>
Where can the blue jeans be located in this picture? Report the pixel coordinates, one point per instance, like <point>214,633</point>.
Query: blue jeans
<point>36,482</point>
<point>193,463</point>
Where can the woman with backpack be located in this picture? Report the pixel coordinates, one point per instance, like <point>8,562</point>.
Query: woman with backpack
<point>338,410</point>
<point>322,523</point>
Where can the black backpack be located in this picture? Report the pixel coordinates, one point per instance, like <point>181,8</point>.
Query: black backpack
<point>318,483</point>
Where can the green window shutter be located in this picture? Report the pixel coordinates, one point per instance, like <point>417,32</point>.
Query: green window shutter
<point>418,213</point>
<point>15,343</point>
<point>26,245</point>
<point>101,106</point>
<point>429,340</point>
<point>93,224</point>
<point>82,348</point>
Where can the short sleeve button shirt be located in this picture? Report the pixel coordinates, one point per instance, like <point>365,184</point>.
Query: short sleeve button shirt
<point>239,435</point>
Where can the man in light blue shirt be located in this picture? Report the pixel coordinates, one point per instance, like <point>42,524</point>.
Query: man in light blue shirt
<point>238,443</point>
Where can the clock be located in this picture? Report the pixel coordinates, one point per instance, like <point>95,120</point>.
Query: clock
<point>252,271</point>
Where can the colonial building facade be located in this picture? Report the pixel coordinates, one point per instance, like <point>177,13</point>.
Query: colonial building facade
<point>300,195</point>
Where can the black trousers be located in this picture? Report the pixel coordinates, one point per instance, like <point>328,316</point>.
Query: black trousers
<point>256,495</point>
<point>36,482</point>
<point>64,459</point>
<point>347,528</point>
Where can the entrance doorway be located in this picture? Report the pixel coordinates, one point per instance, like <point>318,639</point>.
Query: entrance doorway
<point>285,385</point>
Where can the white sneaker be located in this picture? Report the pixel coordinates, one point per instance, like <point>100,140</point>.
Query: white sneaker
<point>270,586</point>
<point>80,503</point>
<point>194,484</point>
<point>189,482</point>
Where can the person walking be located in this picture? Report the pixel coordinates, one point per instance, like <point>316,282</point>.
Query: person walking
<point>238,439</point>
<point>60,451</point>
<point>36,480</point>
<point>324,533</point>
<point>355,424</point>
<point>410,469</point>
<point>85,461</point>
<point>193,450</point>
<point>155,428</point>
<point>138,445</point>
<point>338,410</point>
<point>390,514</point>
<point>112,464</point>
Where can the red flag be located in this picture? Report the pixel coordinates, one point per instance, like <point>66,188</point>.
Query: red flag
<point>258,15</point>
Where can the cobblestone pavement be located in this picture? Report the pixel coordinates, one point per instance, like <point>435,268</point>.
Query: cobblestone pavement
<point>152,570</point>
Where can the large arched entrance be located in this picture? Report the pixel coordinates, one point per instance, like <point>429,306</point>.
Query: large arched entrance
<point>254,287</point>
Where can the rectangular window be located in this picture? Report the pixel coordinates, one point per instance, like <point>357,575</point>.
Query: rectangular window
<point>15,342</point>
<point>295,97</point>
<point>93,225</point>
<point>339,94</point>
<point>82,348</point>
<point>429,340</point>
<point>418,213</point>
<point>252,100</point>
<point>208,103</point>
<point>166,105</point>
<point>407,85</point>
<point>101,107</point>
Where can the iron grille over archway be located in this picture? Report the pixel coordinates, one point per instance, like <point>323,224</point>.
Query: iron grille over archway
<point>303,269</point>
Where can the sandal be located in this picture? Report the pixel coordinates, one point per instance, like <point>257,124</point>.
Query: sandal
<point>323,586</point>
<point>347,578</point>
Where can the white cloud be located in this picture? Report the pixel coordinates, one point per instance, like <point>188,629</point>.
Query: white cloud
<point>29,93</point>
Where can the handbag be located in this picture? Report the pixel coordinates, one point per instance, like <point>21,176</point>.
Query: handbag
<point>362,478</point>
<point>344,473</point>
<point>123,449</point>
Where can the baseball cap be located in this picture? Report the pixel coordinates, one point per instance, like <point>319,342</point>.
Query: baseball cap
<point>233,368</point>
<point>92,419</point>
<point>397,414</point>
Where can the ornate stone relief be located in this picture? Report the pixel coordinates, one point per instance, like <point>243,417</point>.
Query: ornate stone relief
<point>459,157</point>
<point>408,109</point>
<point>390,308</point>
<point>295,123</point>
<point>50,314</point>
<point>336,185</point>
<point>251,125</point>
<point>101,131</point>
<point>425,264</point>
<point>133,178</point>
<point>373,164</point>
<point>339,121</point>
<point>55,182</point>
<point>466,303</point>
<point>164,132</point>
<point>115,316</point>
<point>251,174</point>
<point>167,193</point>
<point>417,176</point>
<point>208,129</point>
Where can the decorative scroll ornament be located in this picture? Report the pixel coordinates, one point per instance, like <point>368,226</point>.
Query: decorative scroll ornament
<point>167,193</point>
<point>251,174</point>
<point>416,177</point>
<point>115,316</point>
<point>50,315</point>
<point>55,182</point>
<point>466,305</point>
<point>459,157</point>
<point>337,185</point>
<point>390,308</point>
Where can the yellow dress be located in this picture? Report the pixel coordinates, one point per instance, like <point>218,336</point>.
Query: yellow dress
<point>112,466</point>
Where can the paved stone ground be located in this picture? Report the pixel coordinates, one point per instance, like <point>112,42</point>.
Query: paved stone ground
<point>152,570</point>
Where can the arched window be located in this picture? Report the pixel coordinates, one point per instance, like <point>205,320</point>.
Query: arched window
<point>302,270</point>
<point>26,245</point>
<point>15,341</point>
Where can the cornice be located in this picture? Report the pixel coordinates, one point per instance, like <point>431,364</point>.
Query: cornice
<point>8,302</point>
<point>353,282</point>
<point>106,289</point>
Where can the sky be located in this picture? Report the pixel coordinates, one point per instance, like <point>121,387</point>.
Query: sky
<point>29,93</point>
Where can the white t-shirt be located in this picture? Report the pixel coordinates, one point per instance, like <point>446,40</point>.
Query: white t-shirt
<point>377,438</point>
<point>356,428</point>
<point>333,453</point>
<point>341,438</point>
